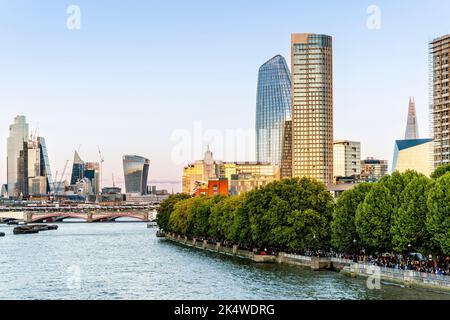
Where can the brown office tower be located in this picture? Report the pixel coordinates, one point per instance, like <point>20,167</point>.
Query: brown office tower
<point>312,106</point>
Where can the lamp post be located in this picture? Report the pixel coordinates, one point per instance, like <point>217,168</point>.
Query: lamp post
<point>314,245</point>
<point>355,255</point>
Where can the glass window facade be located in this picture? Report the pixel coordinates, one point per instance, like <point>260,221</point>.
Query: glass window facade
<point>45,165</point>
<point>312,107</point>
<point>77,169</point>
<point>440,100</point>
<point>18,135</point>
<point>136,171</point>
<point>273,109</point>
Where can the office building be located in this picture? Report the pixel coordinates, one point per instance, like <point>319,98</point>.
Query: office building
<point>373,169</point>
<point>440,100</point>
<point>18,136</point>
<point>413,155</point>
<point>200,172</point>
<point>273,110</point>
<point>246,182</point>
<point>28,170</point>
<point>312,107</point>
<point>347,159</point>
<point>77,169</point>
<point>85,170</point>
<point>45,170</point>
<point>136,170</point>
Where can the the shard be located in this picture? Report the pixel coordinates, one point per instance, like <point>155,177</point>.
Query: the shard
<point>412,129</point>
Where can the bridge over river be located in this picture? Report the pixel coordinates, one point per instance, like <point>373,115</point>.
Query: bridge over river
<point>54,214</point>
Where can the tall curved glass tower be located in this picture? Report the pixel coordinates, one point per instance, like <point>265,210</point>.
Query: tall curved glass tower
<point>273,111</point>
<point>136,170</point>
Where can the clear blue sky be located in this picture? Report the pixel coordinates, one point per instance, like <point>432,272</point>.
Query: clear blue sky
<point>138,70</point>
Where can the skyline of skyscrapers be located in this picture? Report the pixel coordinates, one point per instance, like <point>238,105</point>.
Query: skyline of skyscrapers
<point>273,110</point>
<point>136,170</point>
<point>312,106</point>
<point>28,167</point>
<point>294,134</point>
<point>440,100</point>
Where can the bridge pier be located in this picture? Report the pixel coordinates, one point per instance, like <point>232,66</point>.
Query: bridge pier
<point>28,217</point>
<point>90,217</point>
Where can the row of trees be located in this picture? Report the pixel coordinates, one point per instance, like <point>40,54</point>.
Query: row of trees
<point>401,212</point>
<point>290,214</point>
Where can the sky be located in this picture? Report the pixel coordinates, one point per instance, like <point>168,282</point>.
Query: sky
<point>163,79</point>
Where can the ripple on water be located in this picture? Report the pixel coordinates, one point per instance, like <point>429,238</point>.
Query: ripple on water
<point>126,261</point>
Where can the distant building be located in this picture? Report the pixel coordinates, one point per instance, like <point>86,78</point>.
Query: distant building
<point>18,136</point>
<point>200,172</point>
<point>440,102</point>
<point>273,110</point>
<point>197,176</point>
<point>136,170</point>
<point>86,170</point>
<point>255,168</point>
<point>412,128</point>
<point>413,155</point>
<point>246,182</point>
<point>45,170</point>
<point>28,171</point>
<point>312,106</point>
<point>347,159</point>
<point>373,170</point>
<point>4,191</point>
<point>215,187</point>
<point>111,194</point>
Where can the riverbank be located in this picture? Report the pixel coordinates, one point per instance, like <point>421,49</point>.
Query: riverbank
<point>407,279</point>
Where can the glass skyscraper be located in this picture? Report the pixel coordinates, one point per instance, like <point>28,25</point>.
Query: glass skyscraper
<point>18,136</point>
<point>273,111</point>
<point>45,170</point>
<point>77,169</point>
<point>312,106</point>
<point>136,171</point>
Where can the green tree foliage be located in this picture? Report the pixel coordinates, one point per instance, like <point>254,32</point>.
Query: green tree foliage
<point>343,227</point>
<point>373,218</point>
<point>276,212</point>
<point>438,219</point>
<point>440,171</point>
<point>409,221</point>
<point>223,216</point>
<point>397,183</point>
<point>166,208</point>
<point>200,211</point>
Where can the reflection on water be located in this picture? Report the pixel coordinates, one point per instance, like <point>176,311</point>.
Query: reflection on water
<point>126,261</point>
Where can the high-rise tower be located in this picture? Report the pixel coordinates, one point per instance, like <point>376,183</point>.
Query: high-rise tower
<point>440,101</point>
<point>312,106</point>
<point>412,128</point>
<point>16,171</point>
<point>273,111</point>
<point>136,170</point>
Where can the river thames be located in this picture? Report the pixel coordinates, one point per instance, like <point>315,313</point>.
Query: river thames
<point>125,260</point>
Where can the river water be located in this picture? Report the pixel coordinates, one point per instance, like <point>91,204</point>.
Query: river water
<point>125,260</point>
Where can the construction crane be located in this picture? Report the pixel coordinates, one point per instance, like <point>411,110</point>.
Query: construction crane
<point>57,182</point>
<point>102,160</point>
